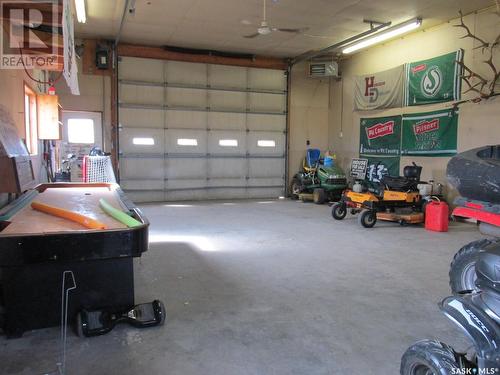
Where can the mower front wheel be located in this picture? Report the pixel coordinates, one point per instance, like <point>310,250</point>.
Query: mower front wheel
<point>295,189</point>
<point>367,218</point>
<point>319,196</point>
<point>339,211</point>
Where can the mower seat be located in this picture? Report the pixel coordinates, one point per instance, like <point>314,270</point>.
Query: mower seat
<point>400,183</point>
<point>407,183</point>
<point>312,159</point>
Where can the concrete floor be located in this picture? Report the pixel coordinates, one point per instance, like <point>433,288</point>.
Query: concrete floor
<point>274,287</point>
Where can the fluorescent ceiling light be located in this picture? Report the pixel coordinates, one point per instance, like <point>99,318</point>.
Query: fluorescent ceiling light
<point>80,11</point>
<point>402,28</point>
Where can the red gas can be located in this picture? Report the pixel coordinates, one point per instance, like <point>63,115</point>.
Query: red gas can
<point>436,216</point>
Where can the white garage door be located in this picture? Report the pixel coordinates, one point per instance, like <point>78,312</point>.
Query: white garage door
<point>193,131</point>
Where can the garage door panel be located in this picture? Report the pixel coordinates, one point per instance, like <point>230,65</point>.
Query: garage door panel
<point>175,136</point>
<point>186,119</point>
<point>266,122</point>
<point>227,168</point>
<point>264,168</point>
<point>186,73</point>
<point>266,79</point>
<point>142,168</point>
<point>146,196</point>
<point>135,94</point>
<point>227,100</point>
<point>187,195</point>
<point>141,118</point>
<point>225,182</point>
<point>229,121</point>
<point>181,97</point>
<point>190,149</point>
<point>138,69</point>
<point>266,102</point>
<point>183,168</point>
<point>265,193</point>
<point>266,138</point>
<point>133,141</point>
<point>218,138</point>
<point>193,183</point>
<point>143,184</point>
<point>227,76</point>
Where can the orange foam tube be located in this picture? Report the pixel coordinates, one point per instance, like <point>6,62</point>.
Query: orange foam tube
<point>68,215</point>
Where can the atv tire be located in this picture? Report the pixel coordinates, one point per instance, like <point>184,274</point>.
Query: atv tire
<point>367,218</point>
<point>339,211</point>
<point>463,267</point>
<point>319,196</point>
<point>295,189</point>
<point>429,357</point>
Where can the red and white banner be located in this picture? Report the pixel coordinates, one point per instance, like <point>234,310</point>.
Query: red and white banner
<point>379,90</point>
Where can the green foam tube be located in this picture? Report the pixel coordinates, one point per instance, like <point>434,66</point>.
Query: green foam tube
<point>121,216</point>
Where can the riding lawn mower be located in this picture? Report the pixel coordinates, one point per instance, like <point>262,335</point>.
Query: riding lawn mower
<point>319,180</point>
<point>398,199</point>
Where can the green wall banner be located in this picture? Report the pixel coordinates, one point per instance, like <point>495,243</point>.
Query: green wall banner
<point>379,167</point>
<point>434,80</point>
<point>380,136</point>
<point>430,134</point>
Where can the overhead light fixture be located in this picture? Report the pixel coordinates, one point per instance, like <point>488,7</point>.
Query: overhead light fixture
<point>402,28</point>
<point>80,11</point>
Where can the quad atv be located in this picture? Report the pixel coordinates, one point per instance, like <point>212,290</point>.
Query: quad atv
<point>318,181</point>
<point>475,174</point>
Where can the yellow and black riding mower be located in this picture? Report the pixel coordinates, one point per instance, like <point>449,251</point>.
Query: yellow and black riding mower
<point>393,199</point>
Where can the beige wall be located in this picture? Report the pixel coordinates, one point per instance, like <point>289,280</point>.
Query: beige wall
<point>479,124</point>
<point>95,96</point>
<point>308,116</point>
<point>12,97</point>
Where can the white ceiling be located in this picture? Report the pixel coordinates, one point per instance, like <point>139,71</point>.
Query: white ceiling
<point>217,24</point>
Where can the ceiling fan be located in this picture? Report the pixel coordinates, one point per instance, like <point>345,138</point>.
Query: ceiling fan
<point>265,29</point>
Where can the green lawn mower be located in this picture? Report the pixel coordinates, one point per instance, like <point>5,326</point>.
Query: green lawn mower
<point>319,180</point>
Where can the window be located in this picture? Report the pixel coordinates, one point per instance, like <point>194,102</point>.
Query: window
<point>81,130</point>
<point>266,143</point>
<point>187,142</point>
<point>30,121</point>
<point>143,141</point>
<point>228,142</point>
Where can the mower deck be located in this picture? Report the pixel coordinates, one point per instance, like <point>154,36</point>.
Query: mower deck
<point>403,218</point>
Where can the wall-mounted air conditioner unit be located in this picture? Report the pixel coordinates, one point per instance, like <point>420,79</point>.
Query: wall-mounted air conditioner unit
<point>321,69</point>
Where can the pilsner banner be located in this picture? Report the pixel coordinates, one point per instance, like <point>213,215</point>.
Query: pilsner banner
<point>379,90</point>
<point>379,167</point>
<point>430,134</point>
<point>434,80</point>
<point>380,136</point>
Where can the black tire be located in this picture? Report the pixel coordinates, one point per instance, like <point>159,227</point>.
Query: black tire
<point>295,189</point>
<point>463,266</point>
<point>79,325</point>
<point>367,218</point>
<point>429,357</point>
<point>339,211</point>
<point>319,196</point>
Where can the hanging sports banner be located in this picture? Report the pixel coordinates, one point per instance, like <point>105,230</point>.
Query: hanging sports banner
<point>430,134</point>
<point>380,136</point>
<point>434,80</point>
<point>379,167</point>
<point>379,90</point>
<point>70,68</point>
